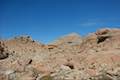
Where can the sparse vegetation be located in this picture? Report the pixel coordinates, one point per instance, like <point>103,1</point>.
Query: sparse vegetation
<point>47,77</point>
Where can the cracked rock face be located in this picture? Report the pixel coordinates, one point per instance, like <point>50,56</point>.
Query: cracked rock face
<point>71,57</point>
<point>3,53</point>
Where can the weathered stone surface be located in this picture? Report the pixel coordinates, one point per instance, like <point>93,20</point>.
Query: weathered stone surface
<point>3,52</point>
<point>93,57</point>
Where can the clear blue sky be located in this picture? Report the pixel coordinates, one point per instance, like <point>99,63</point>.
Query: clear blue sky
<point>46,20</point>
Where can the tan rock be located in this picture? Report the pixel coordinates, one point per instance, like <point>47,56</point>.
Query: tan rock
<point>70,57</point>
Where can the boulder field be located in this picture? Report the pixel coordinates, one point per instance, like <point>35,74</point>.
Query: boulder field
<point>71,57</point>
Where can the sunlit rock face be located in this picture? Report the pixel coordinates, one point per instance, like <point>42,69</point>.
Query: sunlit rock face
<point>71,57</point>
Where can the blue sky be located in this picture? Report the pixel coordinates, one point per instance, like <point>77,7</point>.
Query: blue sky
<point>46,20</point>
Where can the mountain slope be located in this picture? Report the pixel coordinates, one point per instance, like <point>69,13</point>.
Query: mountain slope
<point>71,57</point>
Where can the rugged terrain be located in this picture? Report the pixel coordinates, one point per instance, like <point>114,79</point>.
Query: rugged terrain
<point>71,57</point>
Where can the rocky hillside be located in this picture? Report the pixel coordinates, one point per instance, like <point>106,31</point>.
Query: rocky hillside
<point>93,57</point>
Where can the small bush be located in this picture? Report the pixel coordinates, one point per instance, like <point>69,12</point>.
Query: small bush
<point>48,77</point>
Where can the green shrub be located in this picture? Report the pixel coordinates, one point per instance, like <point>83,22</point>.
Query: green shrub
<point>48,77</point>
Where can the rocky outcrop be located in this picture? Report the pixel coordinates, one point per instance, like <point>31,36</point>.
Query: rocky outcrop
<point>93,57</point>
<point>3,52</point>
<point>70,39</point>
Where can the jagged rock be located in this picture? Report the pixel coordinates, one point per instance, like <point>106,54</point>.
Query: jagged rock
<point>20,65</point>
<point>3,53</point>
<point>93,57</point>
